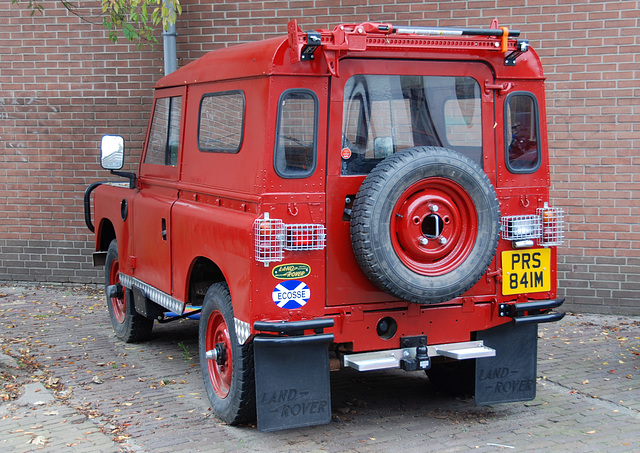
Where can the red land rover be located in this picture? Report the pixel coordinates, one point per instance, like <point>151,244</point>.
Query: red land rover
<point>368,197</point>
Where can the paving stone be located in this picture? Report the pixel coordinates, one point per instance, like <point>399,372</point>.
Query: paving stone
<point>103,395</point>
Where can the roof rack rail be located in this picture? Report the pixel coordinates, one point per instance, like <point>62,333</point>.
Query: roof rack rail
<point>377,36</point>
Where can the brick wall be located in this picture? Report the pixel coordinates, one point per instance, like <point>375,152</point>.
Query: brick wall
<point>63,85</point>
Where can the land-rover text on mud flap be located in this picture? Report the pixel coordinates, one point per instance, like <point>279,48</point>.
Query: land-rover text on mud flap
<point>369,197</point>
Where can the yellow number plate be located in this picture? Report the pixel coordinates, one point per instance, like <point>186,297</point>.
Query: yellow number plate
<point>526,271</point>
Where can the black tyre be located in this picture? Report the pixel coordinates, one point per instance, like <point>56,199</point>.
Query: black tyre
<point>128,325</point>
<point>228,374</point>
<point>425,224</point>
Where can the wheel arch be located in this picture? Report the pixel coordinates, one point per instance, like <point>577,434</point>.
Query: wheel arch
<point>203,273</point>
<point>105,234</point>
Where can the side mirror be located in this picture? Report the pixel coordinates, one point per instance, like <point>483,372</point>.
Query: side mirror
<point>112,152</point>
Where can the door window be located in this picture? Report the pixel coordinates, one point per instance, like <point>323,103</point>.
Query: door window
<point>164,137</point>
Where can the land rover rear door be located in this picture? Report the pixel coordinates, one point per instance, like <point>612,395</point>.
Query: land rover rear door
<point>383,107</point>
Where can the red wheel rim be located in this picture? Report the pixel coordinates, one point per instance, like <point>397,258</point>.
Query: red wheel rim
<point>219,373</point>
<point>434,226</point>
<point>118,304</point>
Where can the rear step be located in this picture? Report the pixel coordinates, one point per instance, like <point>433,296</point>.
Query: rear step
<point>393,358</point>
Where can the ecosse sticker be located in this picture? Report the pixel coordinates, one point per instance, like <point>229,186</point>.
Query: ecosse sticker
<point>291,294</point>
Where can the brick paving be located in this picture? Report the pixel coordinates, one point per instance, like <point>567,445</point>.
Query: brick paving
<point>67,384</point>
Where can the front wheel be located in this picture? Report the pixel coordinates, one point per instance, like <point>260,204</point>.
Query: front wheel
<point>227,366</point>
<point>128,325</point>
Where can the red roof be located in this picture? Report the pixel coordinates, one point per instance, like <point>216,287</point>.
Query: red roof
<point>242,60</point>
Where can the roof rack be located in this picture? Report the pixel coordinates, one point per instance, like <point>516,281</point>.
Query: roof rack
<point>378,36</point>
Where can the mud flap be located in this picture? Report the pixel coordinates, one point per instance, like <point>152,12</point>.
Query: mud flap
<point>510,376</point>
<point>292,381</point>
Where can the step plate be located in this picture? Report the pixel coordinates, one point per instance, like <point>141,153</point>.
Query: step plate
<point>475,352</point>
<point>391,358</point>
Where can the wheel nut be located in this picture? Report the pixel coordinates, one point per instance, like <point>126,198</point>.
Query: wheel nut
<point>434,208</point>
<point>442,240</point>
<point>423,240</point>
<point>217,354</point>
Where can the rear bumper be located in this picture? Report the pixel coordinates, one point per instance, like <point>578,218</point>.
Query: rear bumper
<point>532,312</point>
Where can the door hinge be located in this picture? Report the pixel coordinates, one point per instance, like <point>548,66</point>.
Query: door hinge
<point>501,88</point>
<point>497,274</point>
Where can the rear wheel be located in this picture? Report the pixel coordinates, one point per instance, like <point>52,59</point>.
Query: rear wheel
<point>227,366</point>
<point>128,325</point>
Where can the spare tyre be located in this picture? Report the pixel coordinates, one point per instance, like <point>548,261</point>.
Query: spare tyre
<point>425,224</point>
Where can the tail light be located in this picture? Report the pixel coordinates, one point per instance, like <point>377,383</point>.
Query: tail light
<point>546,227</point>
<point>552,225</point>
<point>306,236</point>
<point>273,237</point>
<point>269,237</point>
<point>519,227</point>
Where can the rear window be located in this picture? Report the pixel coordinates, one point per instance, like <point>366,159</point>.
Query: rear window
<point>522,133</point>
<point>384,114</point>
<point>297,131</point>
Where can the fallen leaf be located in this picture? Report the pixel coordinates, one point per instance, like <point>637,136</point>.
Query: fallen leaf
<point>38,440</point>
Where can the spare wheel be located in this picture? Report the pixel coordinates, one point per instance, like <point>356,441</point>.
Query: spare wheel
<point>425,224</point>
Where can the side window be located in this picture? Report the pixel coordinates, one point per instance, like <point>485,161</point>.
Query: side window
<point>164,137</point>
<point>297,130</point>
<point>522,137</point>
<point>221,122</point>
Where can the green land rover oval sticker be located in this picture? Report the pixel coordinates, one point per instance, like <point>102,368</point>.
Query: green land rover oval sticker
<point>289,271</point>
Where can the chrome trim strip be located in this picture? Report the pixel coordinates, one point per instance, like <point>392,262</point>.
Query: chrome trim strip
<point>161,298</point>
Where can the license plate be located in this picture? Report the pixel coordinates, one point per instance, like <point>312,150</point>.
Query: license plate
<point>526,271</point>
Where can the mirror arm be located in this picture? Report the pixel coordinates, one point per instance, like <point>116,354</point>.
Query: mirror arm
<point>130,176</point>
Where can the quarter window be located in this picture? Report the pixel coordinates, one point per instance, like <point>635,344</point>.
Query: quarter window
<point>297,131</point>
<point>221,122</point>
<point>164,137</point>
<point>522,133</point>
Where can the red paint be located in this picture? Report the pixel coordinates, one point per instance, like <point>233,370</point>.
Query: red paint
<point>199,213</point>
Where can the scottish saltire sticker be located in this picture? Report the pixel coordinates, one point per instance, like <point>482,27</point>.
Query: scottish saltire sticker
<point>291,294</point>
